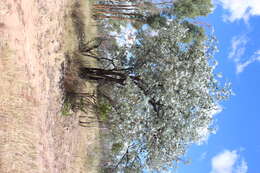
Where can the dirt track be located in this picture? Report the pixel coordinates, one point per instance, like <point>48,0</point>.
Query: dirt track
<point>34,137</point>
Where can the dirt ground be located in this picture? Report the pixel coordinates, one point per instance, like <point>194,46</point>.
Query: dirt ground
<point>34,136</point>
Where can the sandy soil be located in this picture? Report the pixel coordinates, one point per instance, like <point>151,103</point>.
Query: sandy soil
<point>34,137</point>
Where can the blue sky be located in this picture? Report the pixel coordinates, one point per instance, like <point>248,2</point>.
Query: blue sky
<point>235,148</point>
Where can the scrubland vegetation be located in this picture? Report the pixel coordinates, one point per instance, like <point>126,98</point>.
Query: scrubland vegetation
<point>157,90</point>
<point>128,87</point>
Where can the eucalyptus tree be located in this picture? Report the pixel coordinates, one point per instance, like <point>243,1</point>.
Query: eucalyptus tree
<point>164,97</point>
<point>139,10</point>
<point>115,14</point>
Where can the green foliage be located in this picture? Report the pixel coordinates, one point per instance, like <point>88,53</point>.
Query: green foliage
<point>194,33</point>
<point>137,25</point>
<point>103,111</point>
<point>156,21</point>
<point>66,109</point>
<point>116,24</point>
<point>192,8</point>
<point>117,147</point>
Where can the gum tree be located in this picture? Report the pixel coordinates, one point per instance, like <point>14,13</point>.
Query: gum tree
<point>164,97</point>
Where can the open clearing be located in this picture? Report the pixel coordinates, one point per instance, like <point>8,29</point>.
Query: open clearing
<point>34,138</point>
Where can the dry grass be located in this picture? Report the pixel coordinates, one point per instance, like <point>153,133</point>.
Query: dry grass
<point>34,137</point>
<point>84,27</point>
<point>17,142</point>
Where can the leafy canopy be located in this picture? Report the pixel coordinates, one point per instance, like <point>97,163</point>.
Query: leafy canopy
<point>192,8</point>
<point>167,100</point>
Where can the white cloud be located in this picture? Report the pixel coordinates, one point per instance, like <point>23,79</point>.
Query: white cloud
<point>238,46</point>
<point>242,168</point>
<point>257,52</point>
<point>224,162</point>
<point>228,162</point>
<point>240,9</point>
<point>240,66</point>
<point>203,156</point>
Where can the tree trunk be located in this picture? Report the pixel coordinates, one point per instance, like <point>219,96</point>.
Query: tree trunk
<point>103,75</point>
<point>117,18</point>
<point>116,5</point>
<point>119,76</point>
<point>113,8</point>
<point>118,13</point>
